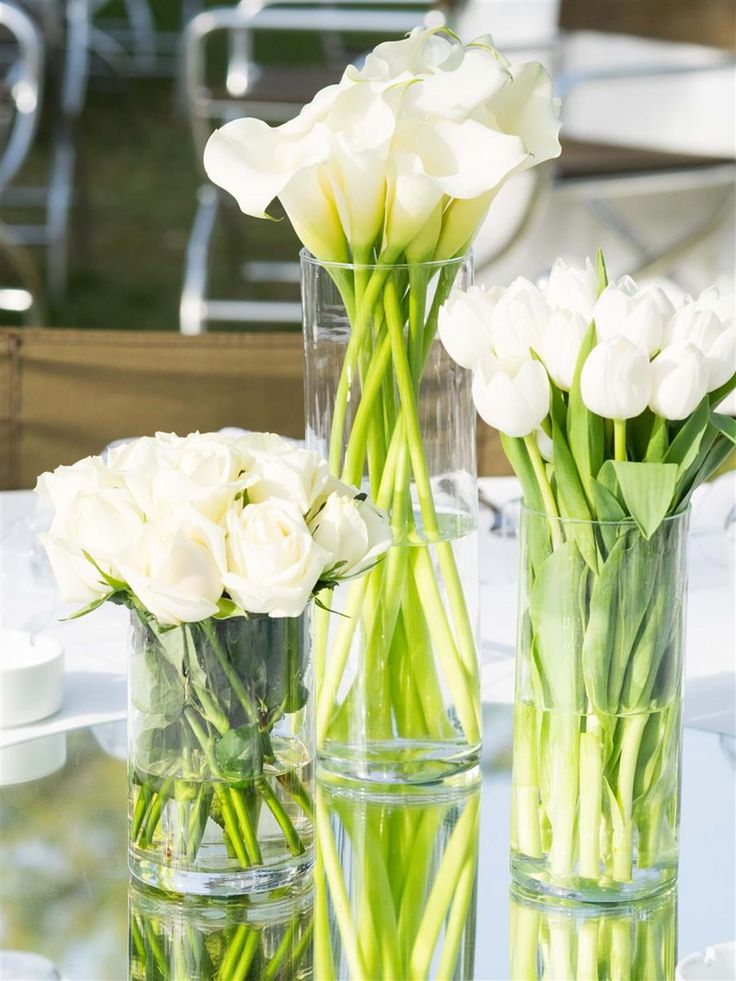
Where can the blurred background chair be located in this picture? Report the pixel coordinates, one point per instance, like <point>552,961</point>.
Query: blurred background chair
<point>339,32</point>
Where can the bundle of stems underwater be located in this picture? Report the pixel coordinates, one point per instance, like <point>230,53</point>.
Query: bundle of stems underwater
<point>395,885</point>
<point>205,698</point>
<point>417,631</point>
<point>215,941</point>
<point>589,943</point>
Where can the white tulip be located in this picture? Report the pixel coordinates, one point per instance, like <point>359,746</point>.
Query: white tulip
<point>354,532</point>
<point>519,320</point>
<point>573,288</point>
<point>560,346</point>
<point>512,394</point>
<point>679,381</point>
<point>715,338</point>
<point>273,561</point>
<point>101,522</point>
<point>175,568</point>
<point>616,380</point>
<point>624,310</point>
<point>464,324</point>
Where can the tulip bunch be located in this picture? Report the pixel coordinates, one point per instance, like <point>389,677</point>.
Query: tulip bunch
<point>606,397</point>
<point>216,544</point>
<point>385,176</point>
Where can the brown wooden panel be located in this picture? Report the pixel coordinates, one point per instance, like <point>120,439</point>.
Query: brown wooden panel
<point>710,22</point>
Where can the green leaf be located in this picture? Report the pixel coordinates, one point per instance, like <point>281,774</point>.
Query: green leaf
<point>572,501</point>
<point>647,490</point>
<point>600,265</point>
<point>585,430</point>
<point>88,609</point>
<point>686,444</point>
<point>725,425</point>
<point>719,394</point>
<point>658,443</point>
<point>118,586</point>
<point>597,648</point>
<point>240,752</point>
<point>226,608</point>
<point>556,602</point>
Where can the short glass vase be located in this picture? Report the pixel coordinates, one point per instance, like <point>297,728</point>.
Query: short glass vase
<point>398,694</point>
<point>220,754</point>
<point>598,709</point>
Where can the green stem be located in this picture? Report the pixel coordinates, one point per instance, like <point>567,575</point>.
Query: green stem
<point>296,846</point>
<point>545,488</point>
<point>619,439</point>
<point>232,954</point>
<point>231,674</point>
<point>591,797</point>
<point>245,824</point>
<point>526,838</point>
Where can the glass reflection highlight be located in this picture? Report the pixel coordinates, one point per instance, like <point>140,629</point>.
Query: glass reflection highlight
<point>569,941</point>
<point>395,883</point>
<point>172,938</point>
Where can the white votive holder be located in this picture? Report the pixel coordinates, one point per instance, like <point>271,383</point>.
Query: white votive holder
<point>31,677</point>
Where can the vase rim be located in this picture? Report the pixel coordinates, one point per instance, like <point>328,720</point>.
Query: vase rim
<point>624,522</point>
<point>307,258</point>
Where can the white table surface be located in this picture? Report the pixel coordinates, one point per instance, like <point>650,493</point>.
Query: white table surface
<point>95,647</point>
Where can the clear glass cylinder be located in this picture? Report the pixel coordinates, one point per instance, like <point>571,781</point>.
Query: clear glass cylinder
<point>582,941</point>
<point>598,710</point>
<point>220,754</point>
<point>193,938</point>
<point>395,883</point>
<point>397,674</point>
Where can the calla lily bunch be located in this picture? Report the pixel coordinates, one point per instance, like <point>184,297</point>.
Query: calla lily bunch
<point>207,525</point>
<point>402,157</point>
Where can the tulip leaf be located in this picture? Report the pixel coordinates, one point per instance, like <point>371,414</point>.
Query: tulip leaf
<point>585,430</point>
<point>658,443</point>
<point>725,425</point>
<point>716,397</point>
<point>686,444</point>
<point>600,265</point>
<point>572,500</point>
<point>599,637</point>
<point>556,603</point>
<point>647,490</point>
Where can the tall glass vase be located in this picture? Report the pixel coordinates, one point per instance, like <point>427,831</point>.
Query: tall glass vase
<point>220,754</point>
<point>598,713</point>
<point>397,673</point>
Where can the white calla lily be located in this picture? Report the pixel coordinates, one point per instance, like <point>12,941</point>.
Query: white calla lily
<point>512,394</point>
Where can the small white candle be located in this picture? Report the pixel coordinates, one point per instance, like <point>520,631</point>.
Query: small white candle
<point>31,677</point>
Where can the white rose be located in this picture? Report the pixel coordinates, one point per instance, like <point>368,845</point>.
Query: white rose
<point>101,522</point>
<point>175,567</point>
<point>616,380</point>
<point>464,324</point>
<point>273,561</point>
<point>519,320</point>
<point>354,532</point>
<point>640,315</point>
<point>715,338</point>
<point>512,394</point>
<point>285,472</point>
<point>60,488</point>
<point>573,288</point>
<point>560,347</point>
<point>679,381</point>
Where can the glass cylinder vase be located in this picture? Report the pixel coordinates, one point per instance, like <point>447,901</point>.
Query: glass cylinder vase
<point>598,711</point>
<point>220,754</point>
<point>395,882</point>
<point>397,673</point>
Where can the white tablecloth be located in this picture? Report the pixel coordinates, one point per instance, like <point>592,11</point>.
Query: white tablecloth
<point>95,647</point>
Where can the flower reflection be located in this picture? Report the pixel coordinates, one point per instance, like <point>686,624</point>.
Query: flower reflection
<point>395,883</point>
<point>584,942</point>
<point>172,938</point>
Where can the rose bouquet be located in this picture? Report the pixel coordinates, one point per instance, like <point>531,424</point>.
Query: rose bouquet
<point>216,545</point>
<point>606,397</point>
<point>386,178</point>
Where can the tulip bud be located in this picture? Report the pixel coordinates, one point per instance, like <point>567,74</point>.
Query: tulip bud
<point>679,381</point>
<point>561,346</point>
<point>464,324</point>
<point>519,320</point>
<point>512,394</point>
<point>714,337</point>
<point>624,310</point>
<point>573,288</point>
<point>616,380</point>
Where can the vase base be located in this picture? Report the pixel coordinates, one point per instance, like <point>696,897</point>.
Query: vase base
<point>401,762</point>
<point>237,882</point>
<point>533,877</point>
